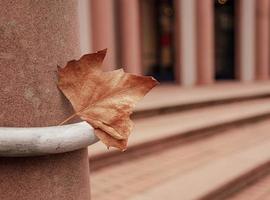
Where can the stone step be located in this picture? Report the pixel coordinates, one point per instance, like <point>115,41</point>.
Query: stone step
<point>172,98</point>
<point>154,131</point>
<point>207,168</point>
<point>258,189</point>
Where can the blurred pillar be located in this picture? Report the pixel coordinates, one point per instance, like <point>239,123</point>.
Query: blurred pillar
<point>185,33</point>
<point>129,17</point>
<point>85,26</point>
<point>262,39</point>
<point>245,41</point>
<point>103,30</point>
<point>205,41</point>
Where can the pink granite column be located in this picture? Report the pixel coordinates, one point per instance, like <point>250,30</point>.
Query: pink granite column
<point>56,177</point>
<point>245,40</point>
<point>130,35</point>
<point>205,41</point>
<point>185,42</point>
<point>262,39</point>
<point>103,30</point>
<point>35,37</point>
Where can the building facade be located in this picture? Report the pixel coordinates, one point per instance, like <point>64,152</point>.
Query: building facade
<point>187,42</point>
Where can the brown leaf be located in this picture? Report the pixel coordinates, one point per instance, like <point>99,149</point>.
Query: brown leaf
<point>104,99</point>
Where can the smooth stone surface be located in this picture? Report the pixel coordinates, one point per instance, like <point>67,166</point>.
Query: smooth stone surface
<point>16,142</point>
<point>35,37</point>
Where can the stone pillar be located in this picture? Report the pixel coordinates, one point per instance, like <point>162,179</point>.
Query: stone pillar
<point>56,177</point>
<point>205,41</point>
<point>35,37</point>
<point>129,13</point>
<point>103,30</point>
<point>185,33</point>
<point>245,40</point>
<point>262,39</point>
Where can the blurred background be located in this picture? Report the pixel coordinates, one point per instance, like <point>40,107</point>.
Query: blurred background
<point>204,132</point>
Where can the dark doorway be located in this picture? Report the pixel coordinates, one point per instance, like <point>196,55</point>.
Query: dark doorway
<point>224,39</point>
<point>157,41</point>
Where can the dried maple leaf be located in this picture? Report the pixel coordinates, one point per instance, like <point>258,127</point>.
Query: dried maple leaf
<point>103,99</point>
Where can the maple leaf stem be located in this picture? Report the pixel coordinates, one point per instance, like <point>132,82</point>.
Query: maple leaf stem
<point>67,119</point>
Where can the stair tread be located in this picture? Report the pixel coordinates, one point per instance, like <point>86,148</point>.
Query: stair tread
<point>257,191</point>
<point>158,97</point>
<point>168,125</point>
<point>187,171</point>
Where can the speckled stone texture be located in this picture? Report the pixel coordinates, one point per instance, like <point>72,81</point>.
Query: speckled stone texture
<point>35,37</point>
<point>57,177</point>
